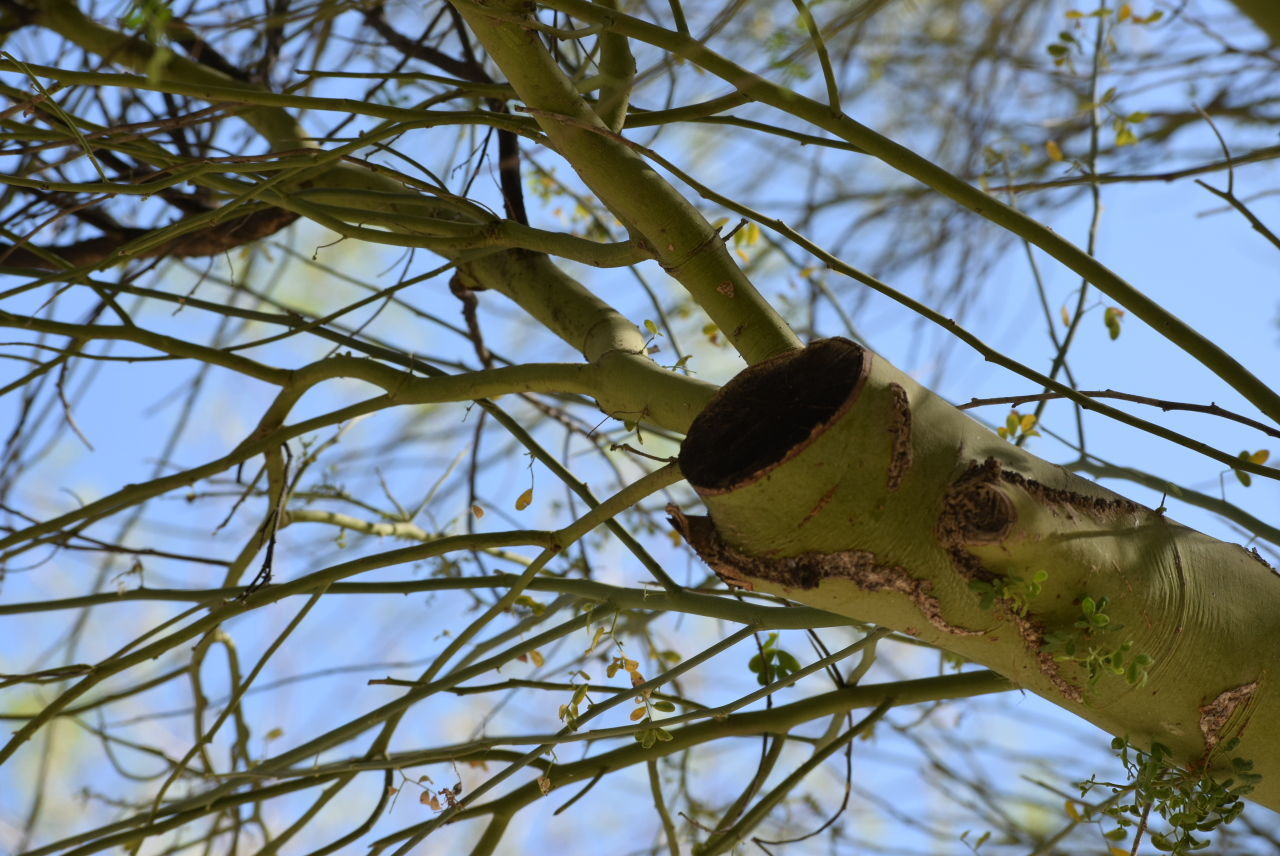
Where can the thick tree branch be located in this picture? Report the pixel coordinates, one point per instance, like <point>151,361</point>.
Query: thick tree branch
<point>1215,358</point>
<point>688,247</point>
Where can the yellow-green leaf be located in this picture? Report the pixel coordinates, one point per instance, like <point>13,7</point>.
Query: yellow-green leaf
<point>525,499</point>
<point>1260,457</point>
<point>595,640</point>
<point>1112,319</point>
<point>1028,422</point>
<point>1054,150</point>
<point>638,714</point>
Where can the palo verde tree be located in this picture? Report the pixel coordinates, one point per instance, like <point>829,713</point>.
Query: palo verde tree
<point>486,426</point>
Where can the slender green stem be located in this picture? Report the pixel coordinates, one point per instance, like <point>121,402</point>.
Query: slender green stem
<point>688,248</point>
<point>1259,393</point>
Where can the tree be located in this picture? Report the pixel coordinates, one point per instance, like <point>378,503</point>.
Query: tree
<point>496,200</point>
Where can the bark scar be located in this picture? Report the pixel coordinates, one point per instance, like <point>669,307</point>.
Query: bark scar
<point>808,570</point>
<point>819,505</point>
<point>976,511</point>
<point>900,432</point>
<point>1216,715</point>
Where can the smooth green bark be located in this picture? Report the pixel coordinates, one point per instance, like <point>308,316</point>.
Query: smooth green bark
<point>891,506</point>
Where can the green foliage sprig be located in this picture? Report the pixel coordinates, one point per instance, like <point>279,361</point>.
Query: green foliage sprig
<point>1014,591</point>
<point>1082,644</point>
<point>1018,426</point>
<point>772,663</point>
<point>1189,801</point>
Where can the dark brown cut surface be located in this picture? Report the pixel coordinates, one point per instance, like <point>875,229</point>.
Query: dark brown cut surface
<point>767,411</point>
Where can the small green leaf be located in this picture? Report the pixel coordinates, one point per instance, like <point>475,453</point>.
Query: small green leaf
<point>1112,318</point>
<point>787,663</point>
<point>524,500</point>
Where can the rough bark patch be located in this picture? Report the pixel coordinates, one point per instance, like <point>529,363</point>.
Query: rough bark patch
<point>1095,505</point>
<point>808,570</point>
<point>770,412</point>
<point>1215,715</point>
<point>1253,551</point>
<point>975,511</point>
<point>900,431</point>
